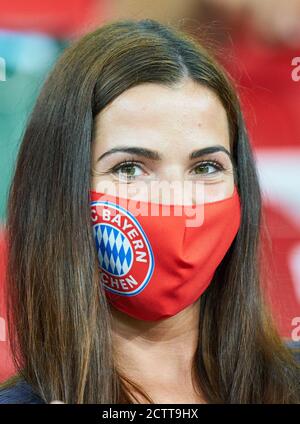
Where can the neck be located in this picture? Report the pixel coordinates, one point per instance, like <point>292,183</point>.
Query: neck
<point>157,353</point>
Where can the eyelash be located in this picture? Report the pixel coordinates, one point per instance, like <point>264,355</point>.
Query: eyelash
<point>214,163</point>
<point>125,162</point>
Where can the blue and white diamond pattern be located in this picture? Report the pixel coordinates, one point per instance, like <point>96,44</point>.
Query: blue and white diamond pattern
<point>114,250</point>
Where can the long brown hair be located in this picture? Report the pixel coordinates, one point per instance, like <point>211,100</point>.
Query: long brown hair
<point>59,319</point>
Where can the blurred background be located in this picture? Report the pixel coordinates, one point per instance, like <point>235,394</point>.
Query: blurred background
<point>258,42</point>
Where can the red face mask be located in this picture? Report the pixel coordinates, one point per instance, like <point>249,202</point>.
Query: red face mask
<point>153,267</point>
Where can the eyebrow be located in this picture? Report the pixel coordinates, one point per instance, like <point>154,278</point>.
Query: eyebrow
<point>154,155</point>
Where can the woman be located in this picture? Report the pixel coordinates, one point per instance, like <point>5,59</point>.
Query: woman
<point>131,105</point>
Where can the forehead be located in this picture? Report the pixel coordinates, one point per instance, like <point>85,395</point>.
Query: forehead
<point>188,108</point>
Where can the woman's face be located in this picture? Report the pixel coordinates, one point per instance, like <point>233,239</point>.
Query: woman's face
<point>152,136</point>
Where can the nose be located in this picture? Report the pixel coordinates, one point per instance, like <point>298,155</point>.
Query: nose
<point>173,187</point>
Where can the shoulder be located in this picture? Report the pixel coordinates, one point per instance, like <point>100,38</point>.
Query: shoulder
<point>295,349</point>
<point>19,392</point>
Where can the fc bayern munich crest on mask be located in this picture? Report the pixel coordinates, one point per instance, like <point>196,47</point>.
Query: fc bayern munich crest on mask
<point>125,255</point>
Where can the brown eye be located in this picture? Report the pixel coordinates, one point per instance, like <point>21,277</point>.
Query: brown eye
<point>128,170</point>
<point>208,168</point>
